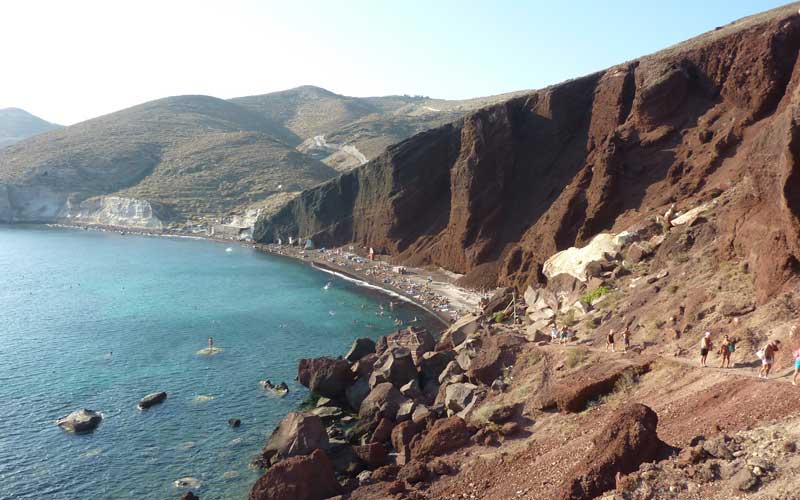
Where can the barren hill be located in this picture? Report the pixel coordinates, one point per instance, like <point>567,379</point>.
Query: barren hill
<point>17,124</point>
<point>496,193</point>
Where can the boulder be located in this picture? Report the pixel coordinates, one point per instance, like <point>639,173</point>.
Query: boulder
<point>189,496</point>
<point>382,432</point>
<point>458,397</point>
<point>452,370</point>
<point>412,390</point>
<point>374,454</point>
<point>344,460</point>
<point>152,400</point>
<point>356,393</point>
<point>383,400</point>
<point>360,348</point>
<point>80,421</point>
<point>637,252</point>
<point>395,366</point>
<point>459,331</point>
<point>327,413</point>
<point>464,358</point>
<point>434,363</point>
<point>443,437</point>
<point>296,434</point>
<point>364,366</point>
<point>234,422</point>
<point>536,333</point>
<point>421,414</point>
<point>573,395</point>
<point>413,472</point>
<point>326,376</point>
<point>625,442</point>
<point>406,410</point>
<point>496,353</point>
<point>290,480</point>
<point>499,300</point>
<point>402,434</point>
<point>417,341</point>
<point>575,261</point>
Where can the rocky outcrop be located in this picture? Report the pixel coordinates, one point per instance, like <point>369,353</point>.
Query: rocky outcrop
<point>80,421</point>
<point>296,434</point>
<point>384,400</point>
<point>152,400</point>
<point>497,193</point>
<point>360,348</point>
<point>629,439</point>
<point>298,478</point>
<point>396,366</point>
<point>113,211</point>
<point>327,377</point>
<point>443,437</point>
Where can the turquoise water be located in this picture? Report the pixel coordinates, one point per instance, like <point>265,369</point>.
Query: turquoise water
<point>69,297</point>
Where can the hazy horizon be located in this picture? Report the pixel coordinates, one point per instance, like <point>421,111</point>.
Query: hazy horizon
<point>84,59</point>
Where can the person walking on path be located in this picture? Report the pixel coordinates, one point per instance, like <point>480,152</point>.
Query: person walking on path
<point>768,358</point>
<point>705,346</point>
<point>626,339</point>
<point>726,350</point>
<point>554,334</point>
<point>796,355</point>
<point>564,335</point>
<point>610,341</point>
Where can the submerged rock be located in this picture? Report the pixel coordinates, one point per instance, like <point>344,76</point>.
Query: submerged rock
<point>187,482</point>
<point>152,399</point>
<point>80,421</point>
<point>279,390</point>
<point>234,422</point>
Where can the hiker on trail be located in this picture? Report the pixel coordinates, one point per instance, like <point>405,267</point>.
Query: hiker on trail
<point>767,355</point>
<point>705,346</point>
<point>796,355</point>
<point>726,349</point>
<point>554,334</point>
<point>626,339</point>
<point>610,341</point>
<point>564,334</point>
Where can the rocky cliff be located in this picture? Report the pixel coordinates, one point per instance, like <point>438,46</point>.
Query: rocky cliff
<point>496,193</point>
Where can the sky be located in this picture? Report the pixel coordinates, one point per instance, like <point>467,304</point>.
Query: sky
<point>68,61</point>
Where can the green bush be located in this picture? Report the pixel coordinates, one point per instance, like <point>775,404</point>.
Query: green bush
<point>595,294</point>
<point>499,317</point>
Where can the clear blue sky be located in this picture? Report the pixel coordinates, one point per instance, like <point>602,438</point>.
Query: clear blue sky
<point>88,57</point>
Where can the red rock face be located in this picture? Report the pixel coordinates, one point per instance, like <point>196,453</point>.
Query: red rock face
<point>298,478</point>
<point>496,193</point>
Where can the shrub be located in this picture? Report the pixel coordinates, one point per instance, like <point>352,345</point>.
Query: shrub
<point>576,357</point>
<point>499,317</point>
<point>595,294</point>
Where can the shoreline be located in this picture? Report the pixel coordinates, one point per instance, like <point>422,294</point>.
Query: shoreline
<point>298,255</point>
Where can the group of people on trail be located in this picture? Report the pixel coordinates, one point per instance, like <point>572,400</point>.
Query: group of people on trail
<point>626,340</point>
<point>559,337</point>
<point>726,349</point>
<point>766,354</point>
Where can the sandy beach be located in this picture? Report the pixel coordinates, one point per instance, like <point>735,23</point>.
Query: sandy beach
<point>433,290</point>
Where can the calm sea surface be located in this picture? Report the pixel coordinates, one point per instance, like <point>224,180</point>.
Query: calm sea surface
<point>98,320</point>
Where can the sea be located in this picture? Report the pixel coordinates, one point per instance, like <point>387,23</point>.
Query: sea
<point>98,320</point>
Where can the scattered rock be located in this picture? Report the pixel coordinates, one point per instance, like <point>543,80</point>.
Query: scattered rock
<point>395,366</point>
<point>402,434</point>
<point>433,364</point>
<point>374,454</point>
<point>458,397</point>
<point>383,432</point>
<point>412,390</point>
<point>80,421</point>
<point>413,472</point>
<point>356,393</point>
<point>152,400</point>
<point>459,331</point>
<point>383,400</point>
<point>296,434</point>
<point>452,370</point>
<point>744,480</point>
<point>327,413</point>
<point>326,376</point>
<point>495,354</point>
<point>360,348</point>
<point>289,479</point>
<point>443,437</point>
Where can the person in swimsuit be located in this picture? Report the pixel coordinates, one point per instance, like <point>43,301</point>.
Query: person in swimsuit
<point>210,344</point>
<point>564,334</point>
<point>626,339</point>
<point>796,355</point>
<point>726,350</point>
<point>610,341</point>
<point>769,358</point>
<point>705,346</point>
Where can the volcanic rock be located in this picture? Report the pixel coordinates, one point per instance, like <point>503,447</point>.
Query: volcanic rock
<point>152,400</point>
<point>360,348</point>
<point>443,437</point>
<point>291,479</point>
<point>458,397</point>
<point>326,376</point>
<point>296,434</point>
<point>395,366</point>
<point>434,363</point>
<point>383,400</point>
<point>80,421</point>
<point>496,353</point>
<point>356,393</point>
<point>374,454</point>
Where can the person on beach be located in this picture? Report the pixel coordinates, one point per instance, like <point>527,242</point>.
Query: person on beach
<point>610,341</point>
<point>626,339</point>
<point>726,349</point>
<point>768,358</point>
<point>705,346</point>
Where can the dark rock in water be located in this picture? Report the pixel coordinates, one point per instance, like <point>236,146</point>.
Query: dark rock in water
<point>326,376</point>
<point>189,496</point>
<point>395,366</point>
<point>152,400</point>
<point>296,434</point>
<point>80,421</point>
<point>298,478</point>
<point>279,390</point>
<point>234,422</point>
<point>360,348</point>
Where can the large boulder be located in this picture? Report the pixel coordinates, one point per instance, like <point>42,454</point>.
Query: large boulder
<point>326,376</point>
<point>384,400</point>
<point>459,331</point>
<point>417,341</point>
<point>575,261</point>
<point>298,478</point>
<point>356,393</point>
<point>628,440</point>
<point>499,300</point>
<point>296,434</point>
<point>80,421</point>
<point>573,395</point>
<point>395,366</point>
<point>444,436</point>
<point>402,434</point>
<point>152,400</point>
<point>496,353</point>
<point>458,397</point>
<point>434,363</point>
<point>450,372</point>
<point>360,348</point>
<point>373,454</point>
<point>364,366</point>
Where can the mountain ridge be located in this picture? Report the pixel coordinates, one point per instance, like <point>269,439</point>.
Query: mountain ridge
<point>17,124</point>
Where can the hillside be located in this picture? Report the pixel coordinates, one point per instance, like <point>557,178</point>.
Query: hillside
<point>190,155</point>
<point>17,124</point>
<point>496,193</point>
<point>345,132</point>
